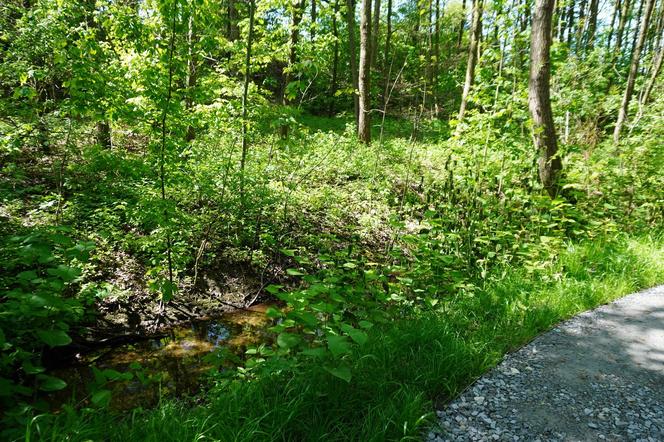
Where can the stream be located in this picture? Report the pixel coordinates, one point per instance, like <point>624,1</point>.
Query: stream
<point>173,365</point>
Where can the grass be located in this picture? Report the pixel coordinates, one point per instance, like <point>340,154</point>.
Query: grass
<point>402,372</point>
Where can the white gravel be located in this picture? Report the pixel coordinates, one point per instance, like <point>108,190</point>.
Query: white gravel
<point>598,376</point>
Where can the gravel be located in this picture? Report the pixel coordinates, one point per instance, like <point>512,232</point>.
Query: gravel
<point>598,376</point>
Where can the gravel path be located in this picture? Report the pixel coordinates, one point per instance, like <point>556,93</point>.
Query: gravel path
<point>598,376</point>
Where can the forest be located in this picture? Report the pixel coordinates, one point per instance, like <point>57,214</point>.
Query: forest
<point>310,219</point>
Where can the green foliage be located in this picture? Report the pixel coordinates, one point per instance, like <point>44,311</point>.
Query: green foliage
<point>41,271</point>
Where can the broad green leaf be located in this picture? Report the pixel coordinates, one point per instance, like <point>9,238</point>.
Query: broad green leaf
<point>101,398</point>
<point>318,352</point>
<point>54,338</point>
<point>356,335</point>
<point>64,272</point>
<point>342,372</point>
<point>50,383</point>
<point>288,340</point>
<point>338,345</point>
<point>294,272</point>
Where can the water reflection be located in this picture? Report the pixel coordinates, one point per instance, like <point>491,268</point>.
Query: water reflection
<point>172,365</point>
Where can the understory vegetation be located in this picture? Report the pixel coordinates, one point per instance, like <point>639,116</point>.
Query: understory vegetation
<point>163,161</point>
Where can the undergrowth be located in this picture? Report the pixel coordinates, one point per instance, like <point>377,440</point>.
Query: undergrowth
<point>405,368</point>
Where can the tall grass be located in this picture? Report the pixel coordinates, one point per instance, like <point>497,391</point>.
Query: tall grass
<point>405,370</point>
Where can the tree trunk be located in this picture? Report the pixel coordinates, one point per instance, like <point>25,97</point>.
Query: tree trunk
<point>350,21</point>
<point>191,73</point>
<point>232,31</point>
<point>314,17</point>
<point>388,60</point>
<point>364,122</point>
<point>462,24</point>
<point>592,24</point>
<point>636,28</point>
<point>539,101</point>
<point>476,32</point>
<point>580,26</point>
<point>624,16</point>
<point>104,134</point>
<point>436,54</point>
<point>633,69</point>
<point>335,60</point>
<point>570,22</point>
<point>614,16</point>
<point>298,8</point>
<point>245,94</point>
<point>375,28</point>
<point>656,69</point>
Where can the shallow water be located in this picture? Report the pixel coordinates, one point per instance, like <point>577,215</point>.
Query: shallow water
<point>170,366</point>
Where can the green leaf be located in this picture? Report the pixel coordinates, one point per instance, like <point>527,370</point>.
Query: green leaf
<point>287,252</point>
<point>288,340</point>
<point>356,335</point>
<point>294,272</point>
<point>50,383</point>
<point>365,324</point>
<point>29,368</point>
<point>64,272</point>
<point>342,372</point>
<point>318,352</point>
<point>338,345</point>
<point>101,398</point>
<point>306,318</point>
<point>272,312</point>
<point>54,338</point>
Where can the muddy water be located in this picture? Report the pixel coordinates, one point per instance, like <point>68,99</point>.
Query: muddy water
<point>170,366</point>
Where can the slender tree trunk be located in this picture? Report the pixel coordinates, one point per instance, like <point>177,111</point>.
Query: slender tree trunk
<point>314,17</point>
<point>580,26</point>
<point>298,9</point>
<point>191,72</point>
<point>232,30</point>
<point>364,122</point>
<point>388,59</point>
<point>375,29</point>
<point>436,54</point>
<point>104,134</point>
<point>633,69</point>
<point>544,131</point>
<point>592,24</point>
<point>429,56</point>
<point>102,126</point>
<point>637,27</point>
<point>245,95</point>
<point>335,60</point>
<point>570,22</point>
<point>624,16</point>
<point>352,53</point>
<point>476,32</point>
<point>462,24</point>
<point>614,16</point>
<point>655,70</point>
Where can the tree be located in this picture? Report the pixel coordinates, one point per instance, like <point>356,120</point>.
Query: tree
<point>592,24</point>
<point>473,49</point>
<point>375,26</point>
<point>364,121</point>
<point>539,100</point>
<point>245,93</point>
<point>296,17</point>
<point>350,24</point>
<point>633,69</point>
<point>335,59</point>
